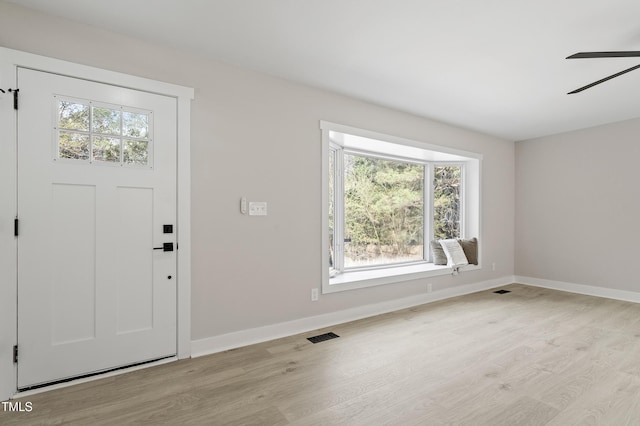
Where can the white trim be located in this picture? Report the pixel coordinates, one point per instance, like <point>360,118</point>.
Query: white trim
<point>184,227</point>
<point>428,213</point>
<point>57,66</point>
<point>588,290</point>
<point>327,125</point>
<point>10,60</point>
<point>338,206</point>
<point>324,220</point>
<point>8,243</point>
<point>364,278</point>
<point>270,332</point>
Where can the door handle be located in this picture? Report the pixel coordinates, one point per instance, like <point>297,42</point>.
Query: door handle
<point>165,247</point>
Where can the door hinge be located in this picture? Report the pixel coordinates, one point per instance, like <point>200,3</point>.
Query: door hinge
<point>15,354</point>
<point>15,227</point>
<point>15,97</point>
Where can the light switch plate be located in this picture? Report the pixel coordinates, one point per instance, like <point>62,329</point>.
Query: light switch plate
<point>257,208</point>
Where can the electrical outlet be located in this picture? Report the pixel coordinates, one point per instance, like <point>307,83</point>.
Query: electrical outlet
<point>493,266</point>
<point>314,294</point>
<point>429,287</point>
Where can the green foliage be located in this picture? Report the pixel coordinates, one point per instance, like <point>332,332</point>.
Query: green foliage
<point>446,202</point>
<point>106,149</point>
<point>73,116</point>
<point>136,152</point>
<point>383,206</point>
<point>106,121</point>
<point>107,126</point>
<point>73,145</point>
<point>135,125</point>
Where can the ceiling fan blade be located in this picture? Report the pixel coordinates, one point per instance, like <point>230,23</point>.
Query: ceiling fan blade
<point>603,80</point>
<point>622,54</point>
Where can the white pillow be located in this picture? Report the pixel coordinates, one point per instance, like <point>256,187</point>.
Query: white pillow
<point>453,251</point>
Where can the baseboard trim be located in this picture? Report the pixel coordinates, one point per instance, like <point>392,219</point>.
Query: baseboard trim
<point>252,336</point>
<point>588,290</point>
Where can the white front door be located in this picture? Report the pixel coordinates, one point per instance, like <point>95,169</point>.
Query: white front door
<point>96,205</point>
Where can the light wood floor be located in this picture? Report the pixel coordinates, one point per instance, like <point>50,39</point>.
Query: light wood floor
<point>529,357</point>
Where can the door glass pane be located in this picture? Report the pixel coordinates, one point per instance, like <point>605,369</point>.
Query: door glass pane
<point>106,149</point>
<point>446,202</point>
<point>73,116</point>
<point>73,145</point>
<point>135,125</point>
<point>106,121</point>
<point>384,213</point>
<point>136,152</point>
<point>88,130</point>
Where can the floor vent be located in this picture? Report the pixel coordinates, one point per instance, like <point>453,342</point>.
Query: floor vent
<point>322,337</point>
<point>502,291</point>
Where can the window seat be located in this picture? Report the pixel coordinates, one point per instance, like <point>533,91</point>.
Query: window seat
<point>370,277</point>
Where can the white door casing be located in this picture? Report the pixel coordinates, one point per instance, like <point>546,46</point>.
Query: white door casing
<point>10,61</point>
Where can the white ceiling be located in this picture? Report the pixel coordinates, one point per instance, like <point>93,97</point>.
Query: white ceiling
<point>496,66</point>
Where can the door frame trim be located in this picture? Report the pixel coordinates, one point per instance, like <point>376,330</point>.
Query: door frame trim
<point>10,61</point>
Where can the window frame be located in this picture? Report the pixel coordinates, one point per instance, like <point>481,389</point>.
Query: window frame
<point>340,278</point>
<point>93,134</point>
<point>339,203</point>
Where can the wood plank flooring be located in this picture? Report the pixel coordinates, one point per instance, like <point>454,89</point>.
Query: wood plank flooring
<point>530,357</point>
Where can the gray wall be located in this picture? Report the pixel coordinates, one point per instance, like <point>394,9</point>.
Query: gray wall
<point>577,207</point>
<point>258,136</point>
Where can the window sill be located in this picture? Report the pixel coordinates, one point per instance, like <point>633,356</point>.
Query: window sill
<point>373,277</point>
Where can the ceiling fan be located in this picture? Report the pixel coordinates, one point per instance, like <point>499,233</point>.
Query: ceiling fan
<point>623,54</point>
